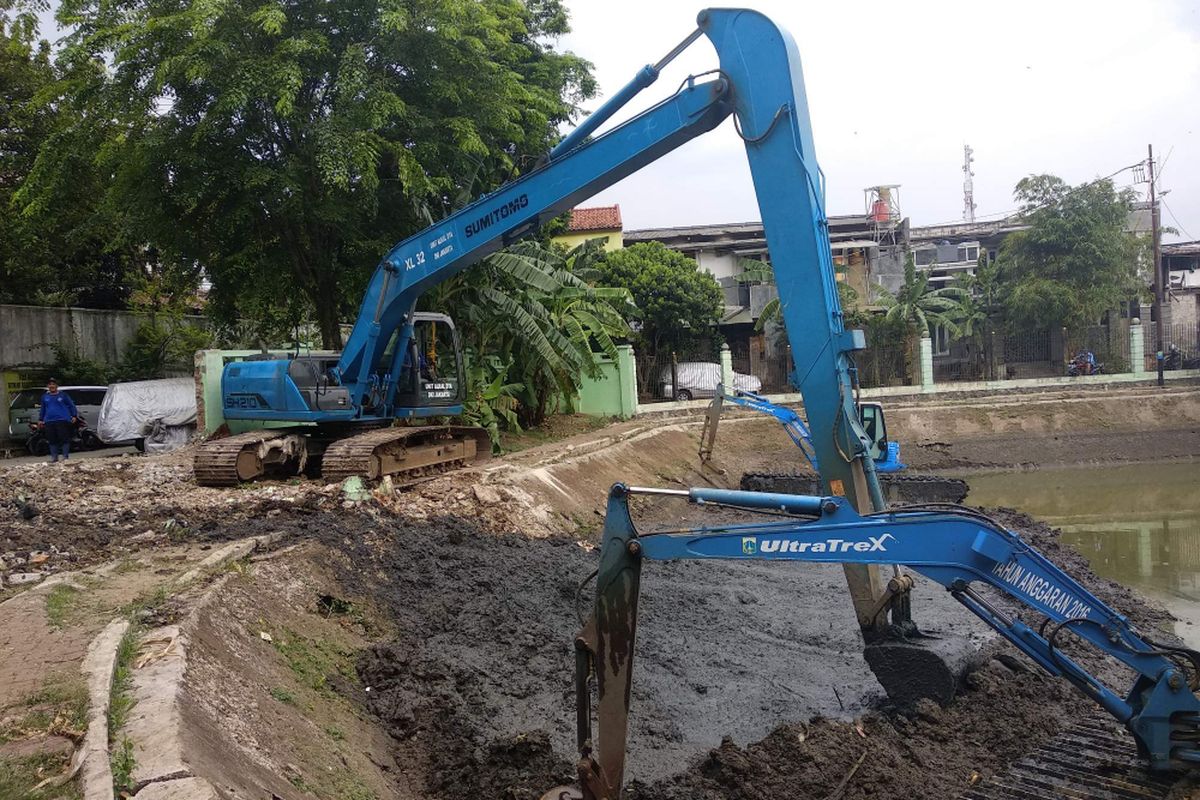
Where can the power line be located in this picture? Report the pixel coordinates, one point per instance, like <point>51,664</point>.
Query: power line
<point>1070,190</point>
<point>1182,229</point>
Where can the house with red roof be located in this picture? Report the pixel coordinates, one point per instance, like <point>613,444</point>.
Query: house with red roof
<point>599,222</point>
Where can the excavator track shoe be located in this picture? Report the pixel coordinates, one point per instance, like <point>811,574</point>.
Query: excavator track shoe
<point>246,456</point>
<point>1094,759</point>
<point>406,453</point>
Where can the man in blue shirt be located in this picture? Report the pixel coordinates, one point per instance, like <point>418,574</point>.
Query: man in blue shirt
<point>58,417</point>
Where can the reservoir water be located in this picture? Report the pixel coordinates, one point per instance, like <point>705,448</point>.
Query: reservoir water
<point>1138,524</point>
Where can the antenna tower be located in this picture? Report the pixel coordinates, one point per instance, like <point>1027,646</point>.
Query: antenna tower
<point>968,185</point>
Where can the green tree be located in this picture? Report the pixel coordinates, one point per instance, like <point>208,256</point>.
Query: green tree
<point>61,249</point>
<point>1075,261</point>
<point>165,340</point>
<point>24,71</point>
<point>679,304</point>
<point>285,145</point>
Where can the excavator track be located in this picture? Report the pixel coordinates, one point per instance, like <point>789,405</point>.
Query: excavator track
<point>896,488</point>
<point>405,453</point>
<point>1095,759</point>
<point>240,458</point>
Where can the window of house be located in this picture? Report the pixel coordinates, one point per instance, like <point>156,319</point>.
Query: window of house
<point>968,252</point>
<point>923,258</point>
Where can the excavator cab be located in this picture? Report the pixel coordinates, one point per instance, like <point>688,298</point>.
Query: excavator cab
<point>431,374</point>
<point>871,415</point>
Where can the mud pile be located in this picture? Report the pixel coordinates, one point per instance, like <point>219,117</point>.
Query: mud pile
<point>928,752</point>
<point>91,509</point>
<point>485,657</point>
<point>477,692</point>
<point>64,516</point>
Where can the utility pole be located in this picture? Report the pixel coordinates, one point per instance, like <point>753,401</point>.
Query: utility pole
<point>1156,236</point>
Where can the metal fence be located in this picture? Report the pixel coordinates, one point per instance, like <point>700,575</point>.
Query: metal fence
<point>1185,336</point>
<point>759,371</point>
<point>655,373</point>
<point>883,365</point>
<point>1109,344</point>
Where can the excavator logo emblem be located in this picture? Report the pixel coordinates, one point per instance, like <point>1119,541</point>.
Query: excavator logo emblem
<point>751,546</point>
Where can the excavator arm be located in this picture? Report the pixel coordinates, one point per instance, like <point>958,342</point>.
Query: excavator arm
<point>887,461</point>
<point>954,546</point>
<point>574,171</point>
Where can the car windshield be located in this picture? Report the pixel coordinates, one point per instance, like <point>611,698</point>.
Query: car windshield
<point>26,398</point>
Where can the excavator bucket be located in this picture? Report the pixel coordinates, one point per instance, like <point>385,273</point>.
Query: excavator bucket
<point>911,669</point>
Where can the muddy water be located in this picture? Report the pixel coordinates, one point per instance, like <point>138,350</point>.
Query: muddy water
<point>1138,524</point>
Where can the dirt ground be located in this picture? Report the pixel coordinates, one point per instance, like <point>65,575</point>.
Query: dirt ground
<point>443,669</point>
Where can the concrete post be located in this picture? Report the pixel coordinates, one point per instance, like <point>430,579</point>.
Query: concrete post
<point>926,363</point>
<point>726,367</point>
<point>1137,347</point>
<point>627,374</point>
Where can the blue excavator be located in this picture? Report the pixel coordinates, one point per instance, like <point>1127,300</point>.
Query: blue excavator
<point>760,85</point>
<point>401,366</point>
<point>897,486</point>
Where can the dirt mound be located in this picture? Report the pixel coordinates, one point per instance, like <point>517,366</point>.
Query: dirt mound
<point>476,689</point>
<point>930,752</point>
<point>89,509</point>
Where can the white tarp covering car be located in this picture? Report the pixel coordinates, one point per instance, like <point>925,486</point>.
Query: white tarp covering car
<point>161,413</point>
<point>700,379</point>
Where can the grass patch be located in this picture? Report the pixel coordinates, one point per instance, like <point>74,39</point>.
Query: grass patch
<point>283,695</point>
<point>350,787</point>
<point>122,762</point>
<point>152,604</point>
<point>314,661</point>
<point>127,565</point>
<point>121,701</point>
<point>335,733</point>
<point>555,428</point>
<point>18,776</point>
<point>59,708</point>
<point>61,605</point>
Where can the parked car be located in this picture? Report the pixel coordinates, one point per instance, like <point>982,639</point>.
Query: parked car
<point>701,379</point>
<point>157,415</point>
<point>26,405</point>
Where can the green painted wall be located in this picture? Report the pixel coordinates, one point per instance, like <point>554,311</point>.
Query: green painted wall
<point>615,393</point>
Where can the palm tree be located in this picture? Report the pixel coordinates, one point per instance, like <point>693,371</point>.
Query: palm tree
<point>921,308</point>
<point>533,322</point>
<point>980,309</point>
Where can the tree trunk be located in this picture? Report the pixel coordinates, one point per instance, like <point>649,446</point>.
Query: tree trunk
<point>912,357</point>
<point>327,319</point>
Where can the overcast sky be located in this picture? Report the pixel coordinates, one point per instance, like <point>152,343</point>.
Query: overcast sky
<point>1076,89</point>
